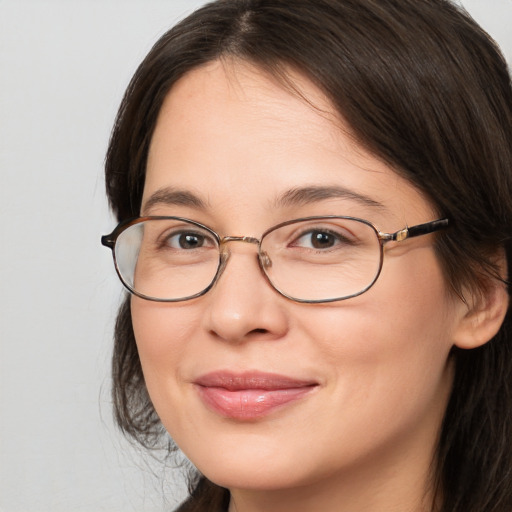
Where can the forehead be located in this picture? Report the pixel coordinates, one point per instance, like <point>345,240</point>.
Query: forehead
<point>235,137</point>
<point>234,101</point>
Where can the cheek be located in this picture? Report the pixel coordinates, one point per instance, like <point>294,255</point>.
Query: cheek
<point>408,306</point>
<point>159,326</point>
<point>164,334</point>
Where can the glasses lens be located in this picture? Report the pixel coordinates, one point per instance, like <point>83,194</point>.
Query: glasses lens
<point>322,259</point>
<point>167,259</point>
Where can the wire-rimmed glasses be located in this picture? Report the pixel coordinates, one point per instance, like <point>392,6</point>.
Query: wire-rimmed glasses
<point>311,259</point>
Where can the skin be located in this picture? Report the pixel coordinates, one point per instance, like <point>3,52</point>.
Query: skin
<point>365,438</point>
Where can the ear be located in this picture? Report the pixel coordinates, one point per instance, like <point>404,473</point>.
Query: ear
<point>481,318</point>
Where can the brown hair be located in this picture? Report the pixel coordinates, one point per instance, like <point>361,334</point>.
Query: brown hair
<point>425,89</point>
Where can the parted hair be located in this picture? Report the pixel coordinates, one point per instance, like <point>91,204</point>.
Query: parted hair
<point>427,91</point>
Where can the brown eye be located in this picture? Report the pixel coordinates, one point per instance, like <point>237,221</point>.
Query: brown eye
<point>322,240</point>
<point>187,241</point>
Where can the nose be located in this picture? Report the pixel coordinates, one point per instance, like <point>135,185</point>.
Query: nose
<point>242,305</point>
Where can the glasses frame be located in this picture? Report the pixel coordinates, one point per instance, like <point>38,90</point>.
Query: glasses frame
<point>383,237</point>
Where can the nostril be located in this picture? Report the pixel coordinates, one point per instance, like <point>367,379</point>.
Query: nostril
<point>259,331</point>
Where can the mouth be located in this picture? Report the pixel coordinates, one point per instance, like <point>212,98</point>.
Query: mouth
<point>251,395</point>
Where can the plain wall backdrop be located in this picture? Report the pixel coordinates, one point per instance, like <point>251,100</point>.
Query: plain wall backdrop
<point>64,66</point>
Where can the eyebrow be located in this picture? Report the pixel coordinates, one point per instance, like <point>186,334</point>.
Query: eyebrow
<point>170,196</point>
<point>302,196</point>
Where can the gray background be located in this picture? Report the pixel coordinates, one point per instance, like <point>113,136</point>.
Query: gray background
<point>63,69</point>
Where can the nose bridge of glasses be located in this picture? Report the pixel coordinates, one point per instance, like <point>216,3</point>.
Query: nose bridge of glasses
<point>226,239</point>
<point>246,239</point>
<point>263,257</point>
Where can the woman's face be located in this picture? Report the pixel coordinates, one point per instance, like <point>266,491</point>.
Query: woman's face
<point>366,380</point>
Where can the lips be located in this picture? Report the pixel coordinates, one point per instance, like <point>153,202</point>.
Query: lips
<point>249,396</point>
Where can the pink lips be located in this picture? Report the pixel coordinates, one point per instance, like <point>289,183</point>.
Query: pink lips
<point>251,395</point>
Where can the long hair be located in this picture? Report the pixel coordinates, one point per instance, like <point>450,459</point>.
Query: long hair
<point>426,90</point>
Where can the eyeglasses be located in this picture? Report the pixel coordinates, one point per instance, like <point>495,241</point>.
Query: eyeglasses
<point>311,260</point>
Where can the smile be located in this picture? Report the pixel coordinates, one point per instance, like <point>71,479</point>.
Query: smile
<point>252,395</point>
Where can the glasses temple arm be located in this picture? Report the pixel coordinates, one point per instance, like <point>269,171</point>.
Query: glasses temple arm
<point>428,227</point>
<point>418,230</point>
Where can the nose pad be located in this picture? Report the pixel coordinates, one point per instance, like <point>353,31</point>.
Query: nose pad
<point>265,260</point>
<point>224,257</point>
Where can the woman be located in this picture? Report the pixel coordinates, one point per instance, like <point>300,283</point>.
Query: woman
<point>315,207</point>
